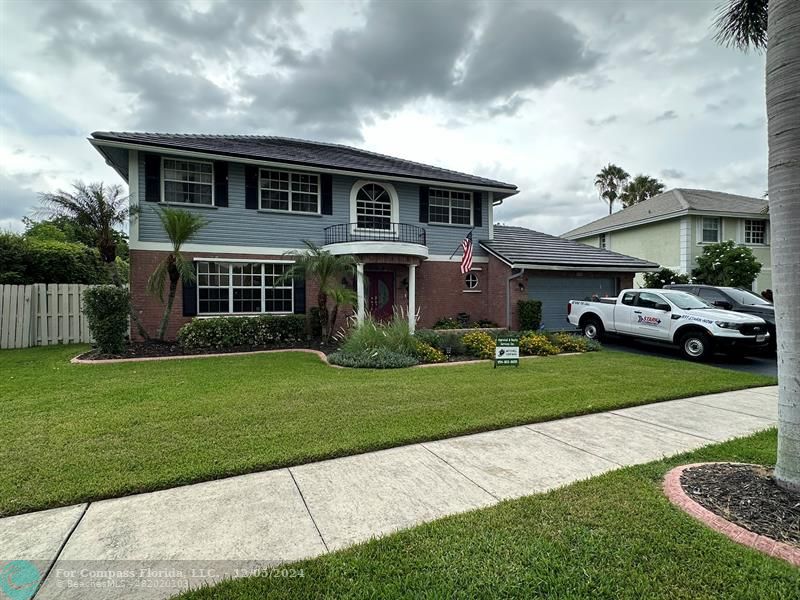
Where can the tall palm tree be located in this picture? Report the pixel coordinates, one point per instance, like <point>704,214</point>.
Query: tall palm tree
<point>94,206</point>
<point>640,188</point>
<point>180,226</point>
<point>609,182</point>
<point>326,270</point>
<point>775,25</point>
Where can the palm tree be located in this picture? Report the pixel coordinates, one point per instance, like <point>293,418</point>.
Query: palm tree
<point>340,296</point>
<point>180,226</point>
<point>774,25</point>
<point>609,182</point>
<point>94,206</point>
<point>640,188</point>
<point>325,269</point>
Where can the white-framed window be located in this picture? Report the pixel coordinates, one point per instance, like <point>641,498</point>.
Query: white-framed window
<point>602,241</point>
<point>755,231</point>
<point>289,191</point>
<point>471,281</point>
<point>373,207</point>
<point>243,288</point>
<point>711,230</point>
<point>187,181</point>
<point>449,207</point>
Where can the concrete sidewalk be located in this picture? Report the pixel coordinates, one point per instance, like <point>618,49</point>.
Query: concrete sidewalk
<point>157,544</point>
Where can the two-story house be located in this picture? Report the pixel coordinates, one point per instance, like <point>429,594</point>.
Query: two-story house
<point>673,227</point>
<point>403,221</point>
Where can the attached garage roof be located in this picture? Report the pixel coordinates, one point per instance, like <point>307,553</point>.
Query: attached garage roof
<point>526,248</point>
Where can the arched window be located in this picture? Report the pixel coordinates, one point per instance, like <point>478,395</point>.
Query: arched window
<point>373,207</point>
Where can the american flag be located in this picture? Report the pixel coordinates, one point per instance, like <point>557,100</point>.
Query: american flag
<point>466,259</point>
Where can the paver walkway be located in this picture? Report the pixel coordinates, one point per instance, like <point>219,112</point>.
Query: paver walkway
<point>157,544</point>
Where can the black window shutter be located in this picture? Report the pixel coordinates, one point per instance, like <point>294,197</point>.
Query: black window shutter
<point>477,209</point>
<point>190,297</point>
<point>152,178</point>
<point>300,296</point>
<point>423,204</point>
<point>251,187</point>
<point>220,183</point>
<point>326,189</point>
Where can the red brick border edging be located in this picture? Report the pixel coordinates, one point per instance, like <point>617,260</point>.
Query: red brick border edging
<point>674,491</point>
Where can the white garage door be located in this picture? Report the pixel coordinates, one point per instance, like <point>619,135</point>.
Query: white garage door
<point>555,292</point>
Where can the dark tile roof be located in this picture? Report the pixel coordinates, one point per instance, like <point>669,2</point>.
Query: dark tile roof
<point>302,153</point>
<point>672,203</point>
<point>520,246</point>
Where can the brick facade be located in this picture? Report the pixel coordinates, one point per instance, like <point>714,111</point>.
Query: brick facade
<point>441,291</point>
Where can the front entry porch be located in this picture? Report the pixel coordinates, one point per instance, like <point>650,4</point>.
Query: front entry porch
<point>383,283</point>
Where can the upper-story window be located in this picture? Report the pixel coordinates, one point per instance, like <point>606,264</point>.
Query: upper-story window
<point>449,207</point>
<point>755,231</point>
<point>711,230</point>
<point>288,191</point>
<point>188,181</point>
<point>373,207</point>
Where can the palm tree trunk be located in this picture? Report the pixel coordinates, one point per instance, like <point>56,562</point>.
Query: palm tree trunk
<point>322,302</point>
<point>783,112</point>
<point>334,316</point>
<point>162,327</point>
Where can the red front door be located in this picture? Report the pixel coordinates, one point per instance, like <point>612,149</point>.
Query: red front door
<point>380,294</point>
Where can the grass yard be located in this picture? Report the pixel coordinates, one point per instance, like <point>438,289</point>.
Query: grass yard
<point>72,433</point>
<point>614,536</point>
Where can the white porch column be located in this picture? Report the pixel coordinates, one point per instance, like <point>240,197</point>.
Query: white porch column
<point>412,297</point>
<point>360,292</point>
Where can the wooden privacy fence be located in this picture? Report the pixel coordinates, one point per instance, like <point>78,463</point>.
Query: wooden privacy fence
<point>42,314</point>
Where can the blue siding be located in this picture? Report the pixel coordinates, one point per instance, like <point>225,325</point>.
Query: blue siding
<point>235,225</point>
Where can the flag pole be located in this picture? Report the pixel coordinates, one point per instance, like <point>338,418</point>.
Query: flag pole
<point>459,243</point>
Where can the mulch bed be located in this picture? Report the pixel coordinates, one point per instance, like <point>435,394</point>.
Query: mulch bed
<point>748,496</point>
<point>153,349</point>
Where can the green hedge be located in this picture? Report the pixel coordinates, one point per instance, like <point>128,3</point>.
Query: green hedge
<point>530,314</point>
<point>25,261</point>
<point>107,308</point>
<point>379,358</point>
<point>227,333</point>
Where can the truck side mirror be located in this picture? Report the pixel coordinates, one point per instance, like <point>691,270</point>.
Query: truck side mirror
<point>722,304</point>
<point>664,307</point>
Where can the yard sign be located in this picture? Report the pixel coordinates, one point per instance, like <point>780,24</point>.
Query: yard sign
<point>506,352</point>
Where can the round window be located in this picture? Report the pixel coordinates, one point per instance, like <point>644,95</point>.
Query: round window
<point>471,281</point>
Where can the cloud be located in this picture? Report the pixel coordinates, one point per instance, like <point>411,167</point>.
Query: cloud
<point>759,123</point>
<point>667,115</point>
<point>673,174</point>
<point>592,122</point>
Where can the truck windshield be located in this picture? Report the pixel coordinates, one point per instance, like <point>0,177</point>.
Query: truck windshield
<point>746,297</point>
<point>685,301</point>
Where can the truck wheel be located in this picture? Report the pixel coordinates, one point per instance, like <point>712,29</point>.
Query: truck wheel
<point>593,328</point>
<point>696,345</point>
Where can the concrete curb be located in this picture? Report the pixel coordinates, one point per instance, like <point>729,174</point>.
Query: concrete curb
<point>674,491</point>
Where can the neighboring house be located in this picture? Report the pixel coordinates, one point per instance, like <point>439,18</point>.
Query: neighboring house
<point>262,196</point>
<point>672,229</point>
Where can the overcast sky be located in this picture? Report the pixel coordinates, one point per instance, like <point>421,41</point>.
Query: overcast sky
<point>540,94</point>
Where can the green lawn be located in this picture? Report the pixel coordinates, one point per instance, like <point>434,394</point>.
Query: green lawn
<point>614,536</point>
<point>82,432</point>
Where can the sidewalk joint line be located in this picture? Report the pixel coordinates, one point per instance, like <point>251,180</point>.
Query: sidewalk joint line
<point>589,452</point>
<point>308,510</point>
<point>738,412</point>
<point>472,481</point>
<point>60,550</point>
<point>702,437</point>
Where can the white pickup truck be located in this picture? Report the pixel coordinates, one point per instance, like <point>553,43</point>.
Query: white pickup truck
<point>673,317</point>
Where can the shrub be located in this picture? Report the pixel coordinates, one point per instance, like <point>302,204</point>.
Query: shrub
<point>25,261</point>
<point>567,342</point>
<point>662,277</point>
<point>530,314</point>
<point>593,345</point>
<point>429,336</point>
<point>107,308</point>
<point>315,322</point>
<point>446,323</point>
<point>726,264</point>
<point>371,335</point>
<point>479,344</point>
<point>428,354</point>
<point>536,344</point>
<point>380,358</point>
<point>225,333</point>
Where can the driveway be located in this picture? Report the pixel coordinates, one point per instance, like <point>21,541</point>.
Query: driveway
<point>759,365</point>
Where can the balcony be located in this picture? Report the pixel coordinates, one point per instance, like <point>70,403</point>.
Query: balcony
<point>398,238</point>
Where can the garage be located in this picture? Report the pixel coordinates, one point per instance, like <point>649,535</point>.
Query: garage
<point>554,291</point>
<point>554,271</point>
